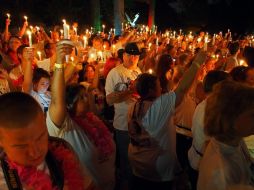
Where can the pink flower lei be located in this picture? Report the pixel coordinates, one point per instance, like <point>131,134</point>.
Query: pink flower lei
<point>39,180</point>
<point>97,132</point>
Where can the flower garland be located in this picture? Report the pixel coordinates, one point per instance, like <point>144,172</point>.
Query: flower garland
<point>97,132</point>
<point>39,180</point>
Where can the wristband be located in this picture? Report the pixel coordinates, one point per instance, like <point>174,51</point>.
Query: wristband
<point>59,66</point>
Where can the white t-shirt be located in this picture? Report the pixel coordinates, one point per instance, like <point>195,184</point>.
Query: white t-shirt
<point>43,99</point>
<point>157,163</point>
<point>117,80</point>
<point>224,166</point>
<point>199,137</point>
<point>102,171</point>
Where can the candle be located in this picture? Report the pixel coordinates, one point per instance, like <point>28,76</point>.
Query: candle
<point>92,56</point>
<point>68,33</point>
<point>39,55</point>
<point>103,28</point>
<point>113,48</point>
<point>150,71</point>
<point>114,31</point>
<point>122,27</point>
<point>213,42</point>
<point>157,41</point>
<point>72,59</point>
<point>61,31</point>
<point>25,17</point>
<point>174,34</point>
<point>29,33</point>
<point>8,15</point>
<point>104,47</point>
<point>180,32</point>
<point>85,41</point>
<point>149,46</point>
<point>75,30</point>
<point>205,44</point>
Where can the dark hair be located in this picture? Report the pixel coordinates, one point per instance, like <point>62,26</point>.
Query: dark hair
<point>233,48</point>
<point>72,94</point>
<point>18,109</point>
<point>145,83</point>
<point>40,73</point>
<point>228,100</point>
<point>83,71</point>
<point>21,48</point>
<point>47,45</point>
<point>239,73</point>
<point>164,65</point>
<point>212,78</point>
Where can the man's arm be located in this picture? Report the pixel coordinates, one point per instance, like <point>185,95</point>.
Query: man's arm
<point>57,109</point>
<point>27,85</point>
<point>118,97</point>
<point>189,77</point>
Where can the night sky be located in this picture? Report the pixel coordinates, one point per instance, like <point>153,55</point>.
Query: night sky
<point>211,15</point>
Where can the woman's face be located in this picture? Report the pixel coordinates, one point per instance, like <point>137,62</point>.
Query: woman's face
<point>14,44</point>
<point>89,74</point>
<point>42,86</point>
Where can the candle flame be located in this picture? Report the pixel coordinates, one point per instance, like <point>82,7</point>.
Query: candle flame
<point>150,71</point>
<point>8,15</point>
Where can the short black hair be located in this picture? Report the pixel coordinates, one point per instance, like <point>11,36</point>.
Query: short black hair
<point>212,78</point>
<point>71,96</point>
<point>145,83</point>
<point>233,48</point>
<point>18,109</point>
<point>40,73</point>
<point>239,73</point>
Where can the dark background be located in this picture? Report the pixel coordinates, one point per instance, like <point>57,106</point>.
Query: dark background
<point>211,15</point>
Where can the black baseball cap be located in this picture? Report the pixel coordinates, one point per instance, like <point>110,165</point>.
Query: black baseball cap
<point>132,49</point>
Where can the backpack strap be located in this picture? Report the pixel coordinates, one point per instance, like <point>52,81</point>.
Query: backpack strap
<point>11,176</point>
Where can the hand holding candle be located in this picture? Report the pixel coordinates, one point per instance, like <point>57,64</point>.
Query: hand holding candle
<point>29,33</point>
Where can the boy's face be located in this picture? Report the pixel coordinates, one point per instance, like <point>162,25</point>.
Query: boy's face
<point>26,146</point>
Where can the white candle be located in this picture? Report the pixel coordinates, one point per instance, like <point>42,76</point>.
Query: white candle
<point>104,47</point>
<point>66,29</point>
<point>149,46</point>
<point>150,71</point>
<point>61,31</point>
<point>103,28</point>
<point>39,55</point>
<point>85,41</point>
<point>75,30</point>
<point>25,17</point>
<point>174,34</point>
<point>92,56</point>
<point>213,42</point>
<point>157,41</point>
<point>205,44</point>
<point>29,33</point>
<point>8,15</point>
<point>114,31</point>
<point>122,27</point>
<point>113,48</point>
<point>72,59</point>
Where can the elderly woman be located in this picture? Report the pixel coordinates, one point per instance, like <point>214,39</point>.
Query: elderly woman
<point>228,118</point>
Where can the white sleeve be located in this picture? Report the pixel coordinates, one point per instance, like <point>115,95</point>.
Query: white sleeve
<point>158,114</point>
<point>53,130</point>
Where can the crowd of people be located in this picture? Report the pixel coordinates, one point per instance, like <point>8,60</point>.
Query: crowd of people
<point>141,110</point>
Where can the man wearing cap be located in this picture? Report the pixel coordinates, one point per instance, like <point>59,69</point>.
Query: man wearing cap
<point>119,92</point>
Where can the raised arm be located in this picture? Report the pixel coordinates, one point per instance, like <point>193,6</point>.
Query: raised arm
<point>28,55</point>
<point>57,108</point>
<point>23,29</point>
<point>189,77</point>
<point>6,32</point>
